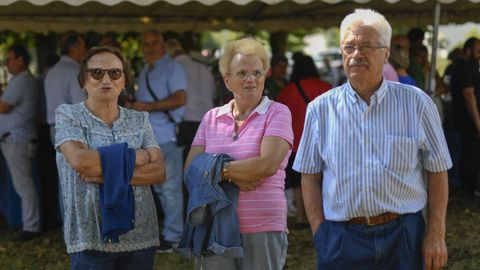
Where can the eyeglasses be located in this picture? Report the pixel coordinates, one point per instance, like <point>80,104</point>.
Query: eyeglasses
<point>243,74</point>
<point>98,73</point>
<point>363,49</point>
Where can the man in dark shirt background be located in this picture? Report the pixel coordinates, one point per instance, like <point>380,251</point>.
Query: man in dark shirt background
<point>465,86</point>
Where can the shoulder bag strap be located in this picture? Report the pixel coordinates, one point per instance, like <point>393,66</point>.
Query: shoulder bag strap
<point>150,91</point>
<point>300,90</point>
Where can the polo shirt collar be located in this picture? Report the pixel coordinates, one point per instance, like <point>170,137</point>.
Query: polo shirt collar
<point>376,98</point>
<point>159,62</point>
<point>260,109</point>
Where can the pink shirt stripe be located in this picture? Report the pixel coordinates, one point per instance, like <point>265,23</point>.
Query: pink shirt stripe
<point>264,209</point>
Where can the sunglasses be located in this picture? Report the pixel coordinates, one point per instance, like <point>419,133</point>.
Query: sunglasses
<point>98,73</point>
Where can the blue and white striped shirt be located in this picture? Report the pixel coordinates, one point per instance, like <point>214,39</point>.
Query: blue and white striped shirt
<point>372,157</point>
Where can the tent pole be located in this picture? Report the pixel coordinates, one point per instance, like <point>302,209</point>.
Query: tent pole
<point>431,83</point>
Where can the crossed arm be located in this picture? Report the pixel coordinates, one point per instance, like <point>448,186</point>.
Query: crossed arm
<point>149,164</point>
<point>247,173</point>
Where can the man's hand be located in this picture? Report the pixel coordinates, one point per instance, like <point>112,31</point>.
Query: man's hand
<point>434,250</point>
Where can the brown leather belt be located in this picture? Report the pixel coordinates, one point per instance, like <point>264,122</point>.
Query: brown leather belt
<point>376,220</point>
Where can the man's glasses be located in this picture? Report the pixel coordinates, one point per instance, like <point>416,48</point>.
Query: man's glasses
<point>98,73</point>
<point>243,74</point>
<point>363,49</point>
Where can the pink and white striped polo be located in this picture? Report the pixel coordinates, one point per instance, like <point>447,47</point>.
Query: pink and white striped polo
<point>264,209</point>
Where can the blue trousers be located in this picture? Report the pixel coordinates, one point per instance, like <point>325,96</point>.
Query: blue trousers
<point>97,260</point>
<point>392,246</point>
<point>170,192</point>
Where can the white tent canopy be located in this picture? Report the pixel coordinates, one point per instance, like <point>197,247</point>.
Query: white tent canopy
<point>198,15</point>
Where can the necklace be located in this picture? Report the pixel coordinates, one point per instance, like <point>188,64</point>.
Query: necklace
<point>237,124</point>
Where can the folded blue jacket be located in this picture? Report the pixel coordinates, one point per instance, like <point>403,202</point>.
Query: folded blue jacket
<point>117,202</point>
<point>212,226</point>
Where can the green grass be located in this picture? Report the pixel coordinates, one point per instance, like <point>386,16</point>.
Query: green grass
<point>48,252</point>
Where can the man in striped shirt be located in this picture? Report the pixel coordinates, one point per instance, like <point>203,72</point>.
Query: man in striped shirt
<point>372,157</point>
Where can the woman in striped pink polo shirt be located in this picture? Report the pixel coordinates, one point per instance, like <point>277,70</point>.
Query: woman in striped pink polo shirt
<point>257,133</point>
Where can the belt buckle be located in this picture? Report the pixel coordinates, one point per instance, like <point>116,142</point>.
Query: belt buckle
<point>369,223</point>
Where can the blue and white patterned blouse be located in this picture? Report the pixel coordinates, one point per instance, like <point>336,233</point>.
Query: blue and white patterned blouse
<point>82,220</point>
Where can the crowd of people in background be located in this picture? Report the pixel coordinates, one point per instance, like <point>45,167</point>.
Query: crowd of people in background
<point>62,117</point>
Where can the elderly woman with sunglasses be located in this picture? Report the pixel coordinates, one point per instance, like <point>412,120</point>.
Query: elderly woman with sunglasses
<point>257,133</point>
<point>82,130</point>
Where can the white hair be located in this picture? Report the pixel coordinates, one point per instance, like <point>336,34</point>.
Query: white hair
<point>367,17</point>
<point>245,46</point>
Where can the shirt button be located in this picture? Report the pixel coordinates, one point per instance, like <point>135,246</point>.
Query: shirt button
<point>206,173</point>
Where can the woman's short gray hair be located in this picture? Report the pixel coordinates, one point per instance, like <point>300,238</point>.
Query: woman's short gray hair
<point>245,46</point>
<point>367,17</point>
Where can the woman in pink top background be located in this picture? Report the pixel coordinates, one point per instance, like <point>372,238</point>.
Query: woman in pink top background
<point>257,133</point>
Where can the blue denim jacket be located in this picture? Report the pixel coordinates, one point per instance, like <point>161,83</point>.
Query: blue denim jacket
<point>116,194</point>
<point>212,226</point>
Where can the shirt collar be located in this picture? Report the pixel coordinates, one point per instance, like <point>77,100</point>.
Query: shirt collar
<point>260,109</point>
<point>164,58</point>
<point>120,119</point>
<point>376,98</point>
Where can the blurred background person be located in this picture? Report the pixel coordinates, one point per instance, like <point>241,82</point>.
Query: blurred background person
<point>416,69</point>
<point>161,93</point>
<point>451,132</point>
<point>61,85</point>
<point>109,41</point>
<point>18,136</point>
<point>453,56</point>
<point>45,156</point>
<point>465,85</point>
<point>277,79</point>
<point>399,58</point>
<point>304,86</point>
<point>419,54</point>
<point>200,93</point>
<point>389,72</point>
